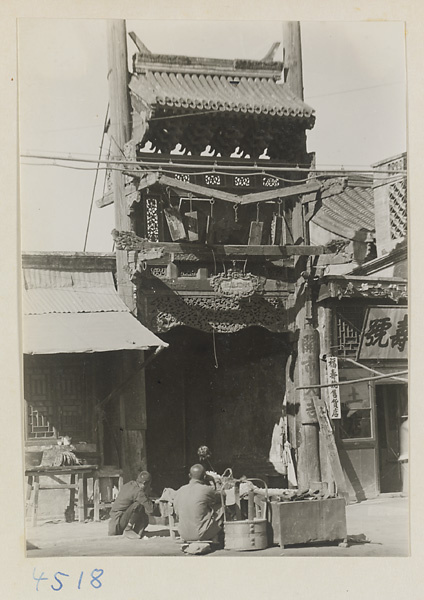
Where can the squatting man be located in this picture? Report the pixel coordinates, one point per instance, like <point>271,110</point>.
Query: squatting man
<point>197,505</point>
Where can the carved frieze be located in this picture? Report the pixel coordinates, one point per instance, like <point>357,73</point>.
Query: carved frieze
<point>392,291</point>
<point>213,313</point>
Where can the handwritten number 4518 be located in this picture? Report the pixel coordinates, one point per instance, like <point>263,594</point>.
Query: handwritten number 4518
<point>94,579</point>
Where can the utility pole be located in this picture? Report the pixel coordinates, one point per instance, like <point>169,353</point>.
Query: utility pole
<point>308,346</point>
<point>120,133</point>
<point>292,57</point>
<point>130,419</point>
<point>309,468</point>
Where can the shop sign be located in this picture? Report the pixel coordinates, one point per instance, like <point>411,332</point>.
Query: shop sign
<point>334,390</point>
<point>235,284</point>
<point>385,333</point>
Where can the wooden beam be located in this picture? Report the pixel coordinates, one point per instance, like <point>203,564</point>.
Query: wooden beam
<point>129,241</point>
<point>105,200</point>
<point>332,452</point>
<point>198,189</point>
<point>265,196</point>
<point>147,180</point>
<point>286,192</point>
<point>186,187</point>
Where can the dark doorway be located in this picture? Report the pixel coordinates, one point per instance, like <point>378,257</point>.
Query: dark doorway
<point>231,408</point>
<point>392,424</point>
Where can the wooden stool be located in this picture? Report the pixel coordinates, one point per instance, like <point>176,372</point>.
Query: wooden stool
<point>103,488</point>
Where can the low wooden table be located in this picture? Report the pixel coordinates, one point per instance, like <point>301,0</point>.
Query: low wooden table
<point>78,483</point>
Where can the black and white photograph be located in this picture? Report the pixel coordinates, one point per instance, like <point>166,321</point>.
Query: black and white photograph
<point>214,281</point>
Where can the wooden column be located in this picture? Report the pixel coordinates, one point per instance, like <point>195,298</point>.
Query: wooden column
<point>132,398</point>
<point>120,132</point>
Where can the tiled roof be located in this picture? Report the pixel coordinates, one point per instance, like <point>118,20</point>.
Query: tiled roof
<point>216,85</point>
<point>347,213</point>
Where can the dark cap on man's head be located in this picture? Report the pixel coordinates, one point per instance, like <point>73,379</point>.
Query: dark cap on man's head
<point>197,472</point>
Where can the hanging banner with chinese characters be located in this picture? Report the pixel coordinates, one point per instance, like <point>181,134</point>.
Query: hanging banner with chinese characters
<point>333,391</point>
<point>385,333</point>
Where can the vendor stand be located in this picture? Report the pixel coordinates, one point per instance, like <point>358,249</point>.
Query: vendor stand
<point>77,484</point>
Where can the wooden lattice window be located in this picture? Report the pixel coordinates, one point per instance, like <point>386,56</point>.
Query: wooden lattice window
<point>56,395</point>
<point>349,322</point>
<point>398,210</point>
<point>38,422</point>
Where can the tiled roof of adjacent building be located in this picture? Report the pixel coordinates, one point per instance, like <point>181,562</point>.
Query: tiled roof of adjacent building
<point>349,212</point>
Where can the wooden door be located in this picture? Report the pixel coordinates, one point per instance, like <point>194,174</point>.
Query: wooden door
<point>391,409</point>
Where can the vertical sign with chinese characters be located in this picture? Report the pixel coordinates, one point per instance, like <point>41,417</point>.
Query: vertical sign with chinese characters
<point>334,390</point>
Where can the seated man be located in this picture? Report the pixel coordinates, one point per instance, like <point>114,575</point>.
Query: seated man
<point>198,507</point>
<point>129,513</point>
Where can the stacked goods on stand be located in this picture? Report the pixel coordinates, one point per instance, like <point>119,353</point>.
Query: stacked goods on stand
<point>278,515</point>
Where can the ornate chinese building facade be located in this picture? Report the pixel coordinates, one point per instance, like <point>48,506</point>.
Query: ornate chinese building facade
<point>217,227</point>
<point>228,241</point>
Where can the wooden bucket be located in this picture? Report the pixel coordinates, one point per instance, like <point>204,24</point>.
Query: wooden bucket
<point>246,535</point>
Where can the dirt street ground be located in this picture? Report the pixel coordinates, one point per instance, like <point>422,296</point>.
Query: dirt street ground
<point>384,521</point>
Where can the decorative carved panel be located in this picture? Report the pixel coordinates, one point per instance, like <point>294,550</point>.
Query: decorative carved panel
<point>152,220</point>
<point>212,313</point>
<point>398,210</point>
<point>242,181</point>
<point>270,181</point>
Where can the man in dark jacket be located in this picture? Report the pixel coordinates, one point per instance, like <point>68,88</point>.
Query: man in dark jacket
<point>197,506</point>
<point>130,511</point>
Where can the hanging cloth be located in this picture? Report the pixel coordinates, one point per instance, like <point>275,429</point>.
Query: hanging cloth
<point>277,447</point>
<point>288,462</point>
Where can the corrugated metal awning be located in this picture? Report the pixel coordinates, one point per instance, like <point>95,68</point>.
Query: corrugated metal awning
<point>76,311</point>
<point>86,332</point>
<point>71,300</point>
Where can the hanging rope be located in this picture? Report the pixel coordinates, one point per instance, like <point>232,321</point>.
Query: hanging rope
<point>215,311</point>
<point>95,179</point>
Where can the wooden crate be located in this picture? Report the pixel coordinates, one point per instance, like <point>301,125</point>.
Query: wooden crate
<point>308,521</point>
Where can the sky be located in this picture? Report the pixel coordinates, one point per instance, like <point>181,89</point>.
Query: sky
<point>354,78</point>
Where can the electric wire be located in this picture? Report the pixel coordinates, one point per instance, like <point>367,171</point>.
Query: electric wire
<point>255,167</point>
<point>284,164</point>
<point>320,174</point>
